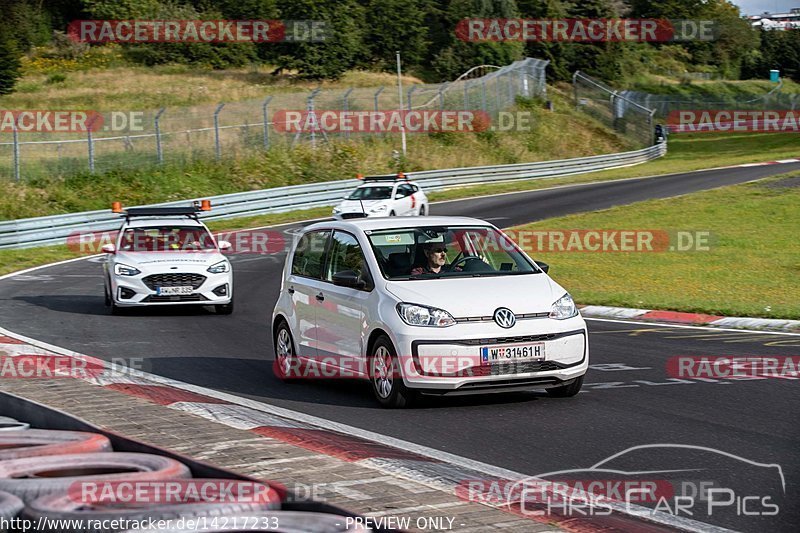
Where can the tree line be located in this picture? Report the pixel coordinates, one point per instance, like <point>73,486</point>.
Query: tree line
<point>366,33</point>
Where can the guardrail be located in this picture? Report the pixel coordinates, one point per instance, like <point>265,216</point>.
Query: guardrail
<point>41,231</point>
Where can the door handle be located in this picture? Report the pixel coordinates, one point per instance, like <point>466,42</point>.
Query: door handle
<point>320,297</point>
<point>290,290</point>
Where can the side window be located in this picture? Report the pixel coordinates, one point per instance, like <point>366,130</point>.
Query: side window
<point>414,189</point>
<point>345,254</point>
<point>309,254</point>
<point>405,189</point>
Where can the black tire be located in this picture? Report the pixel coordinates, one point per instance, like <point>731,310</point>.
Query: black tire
<point>422,210</point>
<point>286,365</point>
<point>566,391</point>
<point>391,213</point>
<point>34,477</point>
<point>10,505</point>
<point>40,442</point>
<point>387,378</point>
<point>60,508</point>
<point>224,309</point>
<point>107,297</point>
<point>294,521</point>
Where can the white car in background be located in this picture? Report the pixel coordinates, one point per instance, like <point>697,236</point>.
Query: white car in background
<point>446,305</point>
<point>166,256</point>
<point>383,196</point>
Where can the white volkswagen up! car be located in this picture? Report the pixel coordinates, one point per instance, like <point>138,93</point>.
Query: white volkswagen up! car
<point>166,256</point>
<point>383,196</point>
<point>449,306</point>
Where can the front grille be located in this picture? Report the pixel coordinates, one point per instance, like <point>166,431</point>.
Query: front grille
<point>504,340</point>
<point>522,316</point>
<point>176,298</point>
<point>177,279</point>
<point>354,215</point>
<point>503,369</point>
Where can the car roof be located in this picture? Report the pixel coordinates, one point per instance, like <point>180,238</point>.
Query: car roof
<point>379,223</point>
<point>145,222</point>
<point>385,184</point>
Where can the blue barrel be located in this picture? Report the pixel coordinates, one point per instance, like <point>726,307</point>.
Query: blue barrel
<point>774,75</point>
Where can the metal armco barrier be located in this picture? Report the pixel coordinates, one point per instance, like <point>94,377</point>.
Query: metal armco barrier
<point>41,231</point>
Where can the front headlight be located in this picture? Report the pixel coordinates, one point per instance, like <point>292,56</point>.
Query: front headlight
<point>563,308</point>
<point>125,270</point>
<point>378,208</point>
<point>218,268</point>
<point>337,210</point>
<point>420,315</point>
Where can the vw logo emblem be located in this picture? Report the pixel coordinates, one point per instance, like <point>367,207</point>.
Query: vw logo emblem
<point>504,317</point>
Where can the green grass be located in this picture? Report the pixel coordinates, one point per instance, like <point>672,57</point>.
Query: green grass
<point>717,90</point>
<point>751,268</point>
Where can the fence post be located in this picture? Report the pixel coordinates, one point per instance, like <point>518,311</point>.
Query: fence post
<point>410,94</point>
<point>265,115</point>
<point>377,95</point>
<point>575,86</point>
<point>346,108</point>
<point>442,89</point>
<point>159,149</point>
<point>217,145</point>
<point>16,149</point>
<point>466,95</point>
<point>483,95</point>
<point>90,140</point>
<point>313,116</point>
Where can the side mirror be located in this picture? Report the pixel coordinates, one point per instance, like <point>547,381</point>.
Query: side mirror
<point>109,248</point>
<point>544,266</point>
<point>349,278</point>
<point>224,245</point>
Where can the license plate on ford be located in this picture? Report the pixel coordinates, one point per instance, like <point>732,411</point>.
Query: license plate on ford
<point>174,291</point>
<point>529,351</point>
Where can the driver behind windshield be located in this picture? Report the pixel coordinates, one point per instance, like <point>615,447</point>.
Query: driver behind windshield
<point>436,258</point>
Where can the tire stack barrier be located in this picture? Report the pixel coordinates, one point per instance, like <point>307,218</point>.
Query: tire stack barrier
<point>41,470</point>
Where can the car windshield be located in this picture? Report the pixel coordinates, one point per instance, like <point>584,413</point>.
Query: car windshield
<point>445,252</point>
<point>166,239</point>
<point>371,193</point>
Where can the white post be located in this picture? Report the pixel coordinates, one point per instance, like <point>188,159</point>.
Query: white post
<point>400,94</point>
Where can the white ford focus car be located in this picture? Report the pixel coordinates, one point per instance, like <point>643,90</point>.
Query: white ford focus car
<point>448,306</point>
<point>166,256</point>
<point>383,196</point>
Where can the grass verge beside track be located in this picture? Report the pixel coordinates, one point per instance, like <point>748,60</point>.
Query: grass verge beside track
<point>751,267</point>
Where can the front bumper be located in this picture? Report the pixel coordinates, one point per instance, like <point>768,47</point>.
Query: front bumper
<point>452,361</point>
<point>137,291</point>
